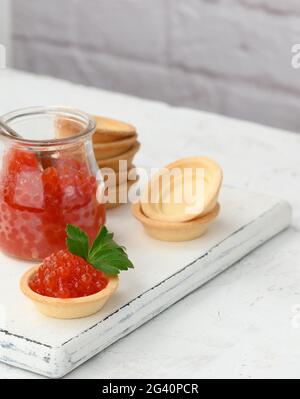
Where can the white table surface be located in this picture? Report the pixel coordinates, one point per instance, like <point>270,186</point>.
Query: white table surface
<point>244,323</point>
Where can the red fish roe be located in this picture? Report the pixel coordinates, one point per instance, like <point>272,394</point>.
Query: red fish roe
<point>64,275</point>
<point>36,204</point>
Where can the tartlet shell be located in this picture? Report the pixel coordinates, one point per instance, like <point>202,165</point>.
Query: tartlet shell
<point>109,130</point>
<point>152,210</point>
<point>112,149</point>
<point>70,308</point>
<point>175,231</point>
<point>113,162</point>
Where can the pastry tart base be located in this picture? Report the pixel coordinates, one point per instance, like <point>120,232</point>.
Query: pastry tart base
<point>175,231</point>
<point>70,308</point>
<point>112,149</point>
<point>113,162</point>
<point>110,130</point>
<point>188,175</point>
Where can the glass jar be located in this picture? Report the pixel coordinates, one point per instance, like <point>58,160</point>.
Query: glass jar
<point>48,178</point>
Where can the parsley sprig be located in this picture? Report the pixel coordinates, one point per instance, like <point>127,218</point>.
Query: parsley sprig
<point>104,254</point>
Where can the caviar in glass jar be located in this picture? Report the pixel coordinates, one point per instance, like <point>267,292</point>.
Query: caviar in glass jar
<point>48,178</point>
<point>36,203</point>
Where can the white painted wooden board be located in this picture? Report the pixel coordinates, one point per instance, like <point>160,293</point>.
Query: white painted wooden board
<point>164,273</point>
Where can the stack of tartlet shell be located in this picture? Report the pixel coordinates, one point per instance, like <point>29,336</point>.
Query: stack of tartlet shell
<point>171,222</point>
<point>115,141</point>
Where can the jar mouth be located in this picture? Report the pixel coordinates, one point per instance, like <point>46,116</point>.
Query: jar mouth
<point>72,115</point>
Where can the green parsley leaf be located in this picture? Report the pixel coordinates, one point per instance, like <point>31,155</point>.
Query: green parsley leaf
<point>105,254</point>
<point>77,241</point>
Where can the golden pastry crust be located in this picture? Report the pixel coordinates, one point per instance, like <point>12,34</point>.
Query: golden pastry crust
<point>108,130</point>
<point>155,200</point>
<point>113,162</point>
<point>112,149</point>
<point>70,308</point>
<point>175,231</point>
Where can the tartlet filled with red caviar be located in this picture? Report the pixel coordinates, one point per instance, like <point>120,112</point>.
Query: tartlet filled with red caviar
<point>78,281</point>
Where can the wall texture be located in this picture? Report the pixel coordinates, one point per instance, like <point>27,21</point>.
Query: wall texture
<point>228,56</point>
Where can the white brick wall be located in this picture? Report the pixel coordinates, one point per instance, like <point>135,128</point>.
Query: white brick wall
<point>227,56</point>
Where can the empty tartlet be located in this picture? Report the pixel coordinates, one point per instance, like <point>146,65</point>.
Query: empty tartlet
<point>181,200</point>
<point>175,231</point>
<point>113,141</point>
<point>197,182</point>
<point>110,130</point>
<point>112,149</point>
<point>127,157</point>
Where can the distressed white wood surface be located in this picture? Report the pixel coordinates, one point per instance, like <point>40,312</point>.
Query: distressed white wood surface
<point>164,273</point>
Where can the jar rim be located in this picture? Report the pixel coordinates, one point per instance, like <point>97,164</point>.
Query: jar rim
<point>62,111</point>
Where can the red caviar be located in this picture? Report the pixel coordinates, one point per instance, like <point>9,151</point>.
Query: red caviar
<point>36,203</point>
<point>64,275</point>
